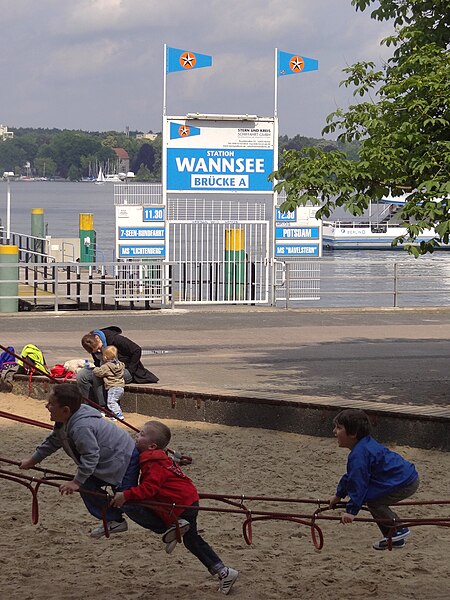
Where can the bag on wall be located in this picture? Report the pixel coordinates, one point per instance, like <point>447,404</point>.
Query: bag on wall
<point>35,360</point>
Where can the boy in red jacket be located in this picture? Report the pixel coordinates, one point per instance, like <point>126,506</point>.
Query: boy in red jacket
<point>163,481</point>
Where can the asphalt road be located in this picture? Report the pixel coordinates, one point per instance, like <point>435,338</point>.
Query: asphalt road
<point>394,356</point>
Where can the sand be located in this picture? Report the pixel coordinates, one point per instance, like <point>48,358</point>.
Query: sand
<point>56,559</point>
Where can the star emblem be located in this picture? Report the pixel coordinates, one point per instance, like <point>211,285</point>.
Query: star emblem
<point>296,64</point>
<point>184,131</point>
<point>188,60</point>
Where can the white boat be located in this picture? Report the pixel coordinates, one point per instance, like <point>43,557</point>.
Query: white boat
<point>375,234</point>
<point>100,177</point>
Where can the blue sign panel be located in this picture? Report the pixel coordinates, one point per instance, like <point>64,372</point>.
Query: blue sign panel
<point>142,251</point>
<point>153,213</point>
<point>286,216</point>
<point>295,250</point>
<point>297,233</point>
<point>142,233</point>
<point>193,169</point>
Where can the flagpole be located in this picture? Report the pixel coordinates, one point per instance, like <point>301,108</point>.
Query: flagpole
<point>165,81</point>
<point>275,112</point>
<point>275,168</point>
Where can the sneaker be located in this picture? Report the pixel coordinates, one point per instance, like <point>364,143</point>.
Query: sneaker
<point>398,540</point>
<point>384,544</point>
<point>171,534</point>
<point>112,418</point>
<point>113,527</point>
<point>170,546</point>
<point>227,580</point>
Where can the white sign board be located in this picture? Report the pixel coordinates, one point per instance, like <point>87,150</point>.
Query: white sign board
<point>219,156</point>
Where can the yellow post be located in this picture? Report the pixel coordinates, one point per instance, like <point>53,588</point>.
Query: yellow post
<point>9,278</point>
<point>87,238</point>
<point>235,264</point>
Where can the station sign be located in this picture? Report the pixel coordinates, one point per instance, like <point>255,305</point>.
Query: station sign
<point>290,215</point>
<point>297,233</point>
<point>153,213</point>
<point>219,156</point>
<point>142,233</point>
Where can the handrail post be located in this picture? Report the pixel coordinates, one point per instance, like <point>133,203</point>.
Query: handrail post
<point>288,283</point>
<point>395,284</point>
<point>55,283</point>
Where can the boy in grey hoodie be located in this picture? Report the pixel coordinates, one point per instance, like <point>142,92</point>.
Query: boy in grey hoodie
<point>112,372</point>
<point>104,454</point>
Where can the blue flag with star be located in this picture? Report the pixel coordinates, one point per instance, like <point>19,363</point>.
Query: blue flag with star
<point>185,60</point>
<point>289,64</point>
<point>182,131</point>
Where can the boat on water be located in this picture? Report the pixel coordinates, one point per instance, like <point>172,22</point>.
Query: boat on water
<point>100,177</point>
<point>376,233</point>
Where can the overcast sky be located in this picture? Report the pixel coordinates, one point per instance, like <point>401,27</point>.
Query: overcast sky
<point>97,65</point>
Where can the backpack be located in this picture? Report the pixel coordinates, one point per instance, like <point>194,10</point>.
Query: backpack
<point>6,359</point>
<point>33,356</point>
<point>60,372</point>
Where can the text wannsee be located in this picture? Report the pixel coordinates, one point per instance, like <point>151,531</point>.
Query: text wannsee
<point>220,165</point>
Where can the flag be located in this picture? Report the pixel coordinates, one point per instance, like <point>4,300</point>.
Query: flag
<point>178,130</point>
<point>185,60</point>
<point>289,64</point>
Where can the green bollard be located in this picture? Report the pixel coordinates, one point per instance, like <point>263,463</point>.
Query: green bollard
<point>235,263</point>
<point>9,278</point>
<point>87,238</point>
<point>37,231</point>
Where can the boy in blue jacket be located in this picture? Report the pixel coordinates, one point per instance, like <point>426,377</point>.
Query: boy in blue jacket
<point>375,476</point>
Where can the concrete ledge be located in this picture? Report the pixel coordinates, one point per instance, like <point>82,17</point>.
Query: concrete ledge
<point>392,424</point>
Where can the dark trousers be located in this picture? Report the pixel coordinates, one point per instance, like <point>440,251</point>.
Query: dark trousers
<point>96,504</point>
<point>146,517</point>
<point>380,508</point>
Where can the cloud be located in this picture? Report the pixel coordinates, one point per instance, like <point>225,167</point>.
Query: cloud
<point>97,64</point>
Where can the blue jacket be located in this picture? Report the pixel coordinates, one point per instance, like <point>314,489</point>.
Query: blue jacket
<point>372,472</point>
<point>96,445</point>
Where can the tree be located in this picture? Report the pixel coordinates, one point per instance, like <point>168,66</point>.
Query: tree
<point>145,156</point>
<point>404,131</point>
<point>143,174</point>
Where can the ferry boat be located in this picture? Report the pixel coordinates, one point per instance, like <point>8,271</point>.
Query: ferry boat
<point>377,233</point>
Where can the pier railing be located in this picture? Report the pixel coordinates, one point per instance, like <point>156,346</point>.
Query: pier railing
<point>153,284</point>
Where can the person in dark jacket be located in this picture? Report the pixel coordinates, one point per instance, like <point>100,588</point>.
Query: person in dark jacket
<point>375,476</point>
<point>128,352</point>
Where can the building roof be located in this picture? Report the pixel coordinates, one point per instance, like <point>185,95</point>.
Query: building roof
<point>121,153</point>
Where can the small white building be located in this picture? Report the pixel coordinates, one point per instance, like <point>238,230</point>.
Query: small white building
<point>5,134</point>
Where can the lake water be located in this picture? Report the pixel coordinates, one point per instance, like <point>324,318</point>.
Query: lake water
<point>426,280</point>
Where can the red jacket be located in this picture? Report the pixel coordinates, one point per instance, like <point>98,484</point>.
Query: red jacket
<point>162,480</point>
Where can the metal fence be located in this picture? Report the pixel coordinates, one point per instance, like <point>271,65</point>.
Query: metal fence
<point>160,284</point>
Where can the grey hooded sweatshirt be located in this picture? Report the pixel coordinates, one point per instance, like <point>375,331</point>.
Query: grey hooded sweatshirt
<point>97,446</point>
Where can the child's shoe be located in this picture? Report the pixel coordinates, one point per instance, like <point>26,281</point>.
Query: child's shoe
<point>227,577</point>
<point>398,540</point>
<point>170,536</point>
<point>113,527</point>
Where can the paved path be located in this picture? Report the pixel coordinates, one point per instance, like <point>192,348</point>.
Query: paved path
<point>393,357</point>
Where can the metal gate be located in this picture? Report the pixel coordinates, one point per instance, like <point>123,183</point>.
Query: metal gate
<point>221,261</point>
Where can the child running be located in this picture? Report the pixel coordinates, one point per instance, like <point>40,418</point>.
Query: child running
<point>163,481</point>
<point>375,476</point>
<point>112,372</point>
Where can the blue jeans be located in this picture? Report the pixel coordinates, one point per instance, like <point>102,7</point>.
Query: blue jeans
<point>145,517</point>
<point>114,396</point>
<point>96,504</point>
<point>87,381</point>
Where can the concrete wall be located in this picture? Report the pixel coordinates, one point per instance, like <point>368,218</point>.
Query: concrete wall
<point>389,427</point>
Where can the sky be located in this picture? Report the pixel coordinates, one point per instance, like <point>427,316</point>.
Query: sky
<point>97,65</point>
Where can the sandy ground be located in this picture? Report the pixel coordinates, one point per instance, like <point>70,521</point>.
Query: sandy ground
<point>57,560</point>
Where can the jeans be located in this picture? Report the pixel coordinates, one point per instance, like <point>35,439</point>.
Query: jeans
<point>96,504</point>
<point>146,517</point>
<point>380,508</point>
<point>114,396</point>
<point>87,381</point>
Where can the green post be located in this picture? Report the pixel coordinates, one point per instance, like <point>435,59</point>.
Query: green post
<point>235,262</point>
<point>87,238</point>
<point>37,231</point>
<point>9,278</point>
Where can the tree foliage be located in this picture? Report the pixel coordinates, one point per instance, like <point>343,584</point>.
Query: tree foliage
<point>402,121</point>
